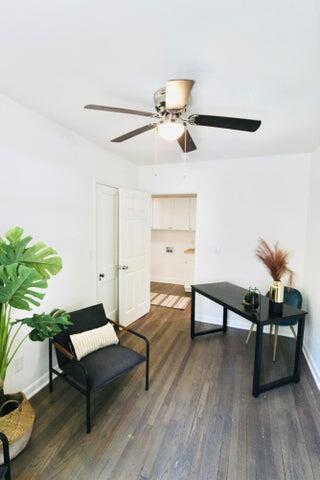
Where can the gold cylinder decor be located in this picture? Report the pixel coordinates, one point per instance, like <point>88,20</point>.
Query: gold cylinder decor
<point>276,296</point>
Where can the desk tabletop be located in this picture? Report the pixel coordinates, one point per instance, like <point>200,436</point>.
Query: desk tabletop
<point>230,296</point>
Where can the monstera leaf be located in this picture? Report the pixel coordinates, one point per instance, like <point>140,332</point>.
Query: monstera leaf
<point>39,256</point>
<point>47,325</point>
<point>17,284</point>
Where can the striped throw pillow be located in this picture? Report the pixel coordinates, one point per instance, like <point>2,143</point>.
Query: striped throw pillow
<point>91,340</point>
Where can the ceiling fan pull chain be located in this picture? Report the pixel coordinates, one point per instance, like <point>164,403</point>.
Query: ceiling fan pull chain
<point>156,173</point>
<point>185,154</point>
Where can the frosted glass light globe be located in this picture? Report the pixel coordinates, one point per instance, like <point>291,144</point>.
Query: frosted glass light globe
<point>170,130</point>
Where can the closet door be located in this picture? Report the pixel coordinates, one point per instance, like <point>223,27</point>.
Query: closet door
<point>107,249</point>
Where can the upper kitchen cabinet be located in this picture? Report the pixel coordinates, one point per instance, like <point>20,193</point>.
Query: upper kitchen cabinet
<point>173,213</point>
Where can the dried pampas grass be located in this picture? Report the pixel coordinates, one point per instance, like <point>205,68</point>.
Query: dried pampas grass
<point>276,261</point>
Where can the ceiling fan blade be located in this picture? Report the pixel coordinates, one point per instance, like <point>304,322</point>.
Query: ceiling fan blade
<point>135,132</point>
<point>244,124</point>
<point>120,110</point>
<point>177,94</point>
<point>186,143</point>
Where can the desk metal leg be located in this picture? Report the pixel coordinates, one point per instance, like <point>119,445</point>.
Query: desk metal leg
<point>193,333</point>
<point>295,377</point>
<point>193,307</point>
<point>299,343</point>
<point>257,361</point>
<point>225,319</point>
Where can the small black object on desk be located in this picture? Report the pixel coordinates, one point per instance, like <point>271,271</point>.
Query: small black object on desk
<point>230,297</point>
<point>251,299</point>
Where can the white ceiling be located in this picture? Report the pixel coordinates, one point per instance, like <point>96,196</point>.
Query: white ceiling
<point>249,59</point>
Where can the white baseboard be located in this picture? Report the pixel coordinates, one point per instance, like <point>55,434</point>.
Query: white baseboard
<point>315,372</point>
<point>39,384</point>
<point>36,386</point>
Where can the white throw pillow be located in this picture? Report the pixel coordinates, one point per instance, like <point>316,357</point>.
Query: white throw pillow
<point>91,340</point>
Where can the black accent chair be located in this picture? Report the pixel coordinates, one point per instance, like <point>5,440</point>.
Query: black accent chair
<point>5,468</point>
<point>99,368</point>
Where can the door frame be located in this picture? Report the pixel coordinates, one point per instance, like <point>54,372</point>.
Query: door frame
<point>182,193</point>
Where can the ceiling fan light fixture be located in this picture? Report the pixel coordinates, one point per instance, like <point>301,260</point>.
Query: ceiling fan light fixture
<point>170,130</point>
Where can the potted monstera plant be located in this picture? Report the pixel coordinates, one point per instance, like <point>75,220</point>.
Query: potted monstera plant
<point>25,269</point>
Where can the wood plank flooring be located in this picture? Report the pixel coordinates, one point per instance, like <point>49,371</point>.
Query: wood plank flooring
<point>198,421</point>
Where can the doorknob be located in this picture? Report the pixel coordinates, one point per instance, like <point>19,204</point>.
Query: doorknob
<point>101,276</point>
<point>123,267</point>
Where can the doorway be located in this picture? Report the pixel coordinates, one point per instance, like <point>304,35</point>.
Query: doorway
<point>173,231</point>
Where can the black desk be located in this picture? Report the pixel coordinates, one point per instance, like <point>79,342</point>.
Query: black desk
<point>230,297</point>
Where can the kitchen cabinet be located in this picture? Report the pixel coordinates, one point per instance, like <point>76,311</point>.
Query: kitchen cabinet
<point>173,213</point>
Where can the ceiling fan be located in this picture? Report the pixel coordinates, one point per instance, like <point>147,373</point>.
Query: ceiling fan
<point>170,105</point>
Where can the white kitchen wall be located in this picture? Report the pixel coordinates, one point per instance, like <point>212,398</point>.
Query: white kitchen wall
<point>312,271</point>
<point>175,267</point>
<point>239,201</point>
<point>48,177</point>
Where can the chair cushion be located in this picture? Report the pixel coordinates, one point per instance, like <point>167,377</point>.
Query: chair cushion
<point>104,365</point>
<point>86,342</point>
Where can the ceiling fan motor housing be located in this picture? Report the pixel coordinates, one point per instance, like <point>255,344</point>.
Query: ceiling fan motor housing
<point>160,100</point>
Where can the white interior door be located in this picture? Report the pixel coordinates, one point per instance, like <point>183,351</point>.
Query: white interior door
<point>107,249</point>
<point>134,255</point>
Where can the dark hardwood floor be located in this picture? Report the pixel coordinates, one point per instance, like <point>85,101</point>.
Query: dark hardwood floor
<point>198,421</point>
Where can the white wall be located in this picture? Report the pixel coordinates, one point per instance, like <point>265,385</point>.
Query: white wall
<point>176,267</point>
<point>312,271</point>
<point>48,177</point>
<point>238,202</point>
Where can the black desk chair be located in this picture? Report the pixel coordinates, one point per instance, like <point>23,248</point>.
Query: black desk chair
<point>5,468</point>
<point>99,368</point>
<point>292,297</point>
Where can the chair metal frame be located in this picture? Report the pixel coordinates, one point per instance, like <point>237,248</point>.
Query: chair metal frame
<point>6,454</point>
<point>88,390</point>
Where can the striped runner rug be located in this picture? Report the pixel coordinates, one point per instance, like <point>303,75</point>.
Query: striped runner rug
<point>170,301</point>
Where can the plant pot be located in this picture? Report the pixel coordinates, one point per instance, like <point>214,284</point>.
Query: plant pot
<point>17,425</point>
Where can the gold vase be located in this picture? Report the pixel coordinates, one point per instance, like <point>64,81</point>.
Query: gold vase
<point>276,296</point>
<point>276,292</point>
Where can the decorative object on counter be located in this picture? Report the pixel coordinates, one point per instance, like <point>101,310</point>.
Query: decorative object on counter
<point>189,251</point>
<point>251,299</point>
<point>276,260</point>
<point>24,273</point>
